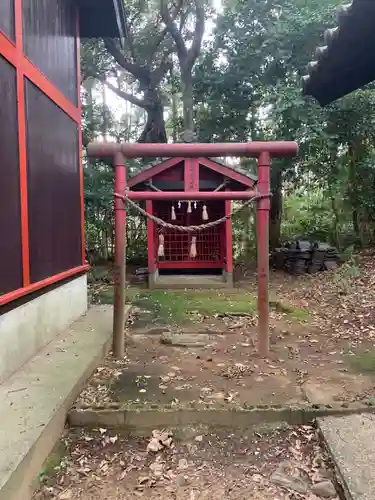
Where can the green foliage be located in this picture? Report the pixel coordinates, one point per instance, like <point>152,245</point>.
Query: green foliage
<point>344,276</point>
<point>247,85</point>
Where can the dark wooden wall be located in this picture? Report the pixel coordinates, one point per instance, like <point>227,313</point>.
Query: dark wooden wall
<point>207,174</point>
<point>175,173</point>
<point>7,18</point>
<point>49,29</point>
<point>53,187</point>
<point>10,213</point>
<point>40,177</point>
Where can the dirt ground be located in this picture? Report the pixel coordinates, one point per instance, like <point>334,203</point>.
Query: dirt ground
<point>265,464</point>
<point>326,354</point>
<point>322,356</point>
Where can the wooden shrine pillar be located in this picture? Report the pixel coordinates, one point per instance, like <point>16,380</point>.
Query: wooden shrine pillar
<point>228,244</point>
<point>263,213</point>
<point>151,248</point>
<point>118,340</point>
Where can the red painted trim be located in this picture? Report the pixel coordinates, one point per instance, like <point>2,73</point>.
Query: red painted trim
<point>14,54</point>
<point>21,292</point>
<point>191,195</point>
<point>37,78</point>
<point>80,149</point>
<point>263,208</point>
<point>2,33</point>
<point>8,49</point>
<point>151,247</point>
<point>147,174</point>
<point>23,178</point>
<point>22,148</point>
<point>188,175</point>
<point>195,169</point>
<point>191,174</point>
<point>227,172</point>
<point>228,238</point>
<point>189,264</point>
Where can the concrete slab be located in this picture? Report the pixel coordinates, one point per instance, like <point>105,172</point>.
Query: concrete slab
<point>27,328</point>
<point>182,281</point>
<point>36,399</point>
<point>351,441</point>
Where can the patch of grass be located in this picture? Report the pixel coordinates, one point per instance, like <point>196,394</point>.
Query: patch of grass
<point>300,314</point>
<point>294,312</point>
<point>176,306</point>
<point>52,464</point>
<point>105,296</point>
<point>362,362</point>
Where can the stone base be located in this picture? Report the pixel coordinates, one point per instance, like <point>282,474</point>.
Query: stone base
<point>36,399</point>
<point>228,278</point>
<point>152,279</point>
<point>27,328</point>
<point>189,281</point>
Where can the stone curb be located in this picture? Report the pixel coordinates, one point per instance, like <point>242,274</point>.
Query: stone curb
<point>339,479</point>
<point>140,417</point>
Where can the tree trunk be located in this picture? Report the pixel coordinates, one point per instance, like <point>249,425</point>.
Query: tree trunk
<point>336,222</point>
<point>174,117</point>
<point>89,135</point>
<point>187,99</point>
<point>247,244</point>
<point>353,192</point>
<point>154,130</point>
<point>105,112</point>
<point>276,209</point>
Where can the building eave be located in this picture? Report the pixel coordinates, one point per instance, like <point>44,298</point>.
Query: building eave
<point>346,61</point>
<point>102,19</point>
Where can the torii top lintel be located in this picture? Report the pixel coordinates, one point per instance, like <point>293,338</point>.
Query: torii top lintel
<point>253,149</point>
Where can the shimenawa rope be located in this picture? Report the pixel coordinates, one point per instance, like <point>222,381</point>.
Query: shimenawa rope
<point>189,229</point>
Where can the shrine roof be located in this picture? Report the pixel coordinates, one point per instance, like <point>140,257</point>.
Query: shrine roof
<point>346,61</point>
<point>101,18</point>
<point>234,174</point>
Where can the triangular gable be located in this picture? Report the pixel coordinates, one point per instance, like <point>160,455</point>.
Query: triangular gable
<point>229,172</point>
<point>150,172</point>
<point>220,168</point>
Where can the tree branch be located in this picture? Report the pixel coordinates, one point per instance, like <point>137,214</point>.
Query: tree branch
<point>158,74</point>
<point>195,49</point>
<point>129,38</point>
<point>172,28</point>
<point>125,95</point>
<point>139,72</point>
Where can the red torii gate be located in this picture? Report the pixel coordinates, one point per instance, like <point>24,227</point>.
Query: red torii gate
<point>264,151</point>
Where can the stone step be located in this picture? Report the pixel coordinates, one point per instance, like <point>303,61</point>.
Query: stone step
<point>351,442</point>
<point>35,400</point>
<point>190,282</point>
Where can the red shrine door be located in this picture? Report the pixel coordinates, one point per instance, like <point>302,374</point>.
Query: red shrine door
<point>177,244</point>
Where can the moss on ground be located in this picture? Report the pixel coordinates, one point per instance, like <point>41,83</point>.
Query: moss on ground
<point>362,362</point>
<point>297,313</point>
<point>178,306</point>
